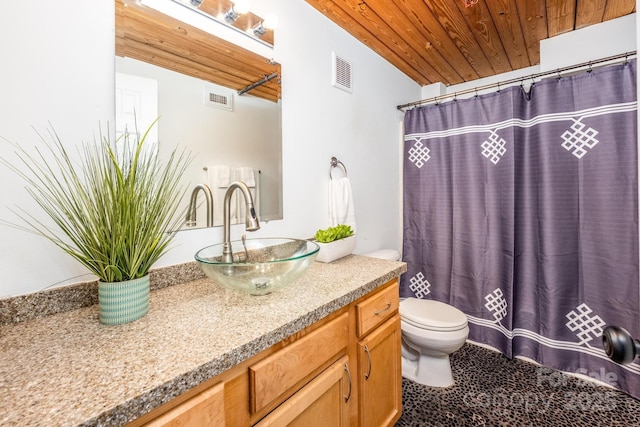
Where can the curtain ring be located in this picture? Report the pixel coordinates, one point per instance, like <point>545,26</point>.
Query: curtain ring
<point>558,71</point>
<point>476,92</point>
<point>590,69</point>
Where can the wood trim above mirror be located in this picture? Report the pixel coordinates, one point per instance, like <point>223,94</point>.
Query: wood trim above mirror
<point>147,35</point>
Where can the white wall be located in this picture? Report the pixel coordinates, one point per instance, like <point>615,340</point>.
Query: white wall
<point>609,38</point>
<point>59,68</point>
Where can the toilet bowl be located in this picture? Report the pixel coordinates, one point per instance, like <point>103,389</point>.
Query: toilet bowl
<point>431,331</point>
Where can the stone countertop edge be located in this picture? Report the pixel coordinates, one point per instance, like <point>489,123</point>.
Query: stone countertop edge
<point>143,399</point>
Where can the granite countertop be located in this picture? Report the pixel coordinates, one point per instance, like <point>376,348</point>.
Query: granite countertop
<point>68,369</point>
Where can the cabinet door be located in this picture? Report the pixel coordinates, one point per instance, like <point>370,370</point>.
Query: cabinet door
<point>322,402</point>
<point>204,409</point>
<point>380,375</point>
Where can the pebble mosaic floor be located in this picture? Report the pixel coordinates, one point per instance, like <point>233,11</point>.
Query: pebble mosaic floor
<point>492,390</point>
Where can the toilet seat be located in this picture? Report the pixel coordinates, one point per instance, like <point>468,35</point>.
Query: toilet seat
<point>432,315</point>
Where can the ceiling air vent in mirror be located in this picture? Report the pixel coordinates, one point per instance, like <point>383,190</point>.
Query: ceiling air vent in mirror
<point>218,98</point>
<point>342,74</point>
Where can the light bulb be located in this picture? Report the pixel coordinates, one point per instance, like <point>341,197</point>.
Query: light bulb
<point>270,21</point>
<point>237,9</point>
<point>241,6</point>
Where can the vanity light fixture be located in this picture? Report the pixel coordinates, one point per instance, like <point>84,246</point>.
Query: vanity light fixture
<point>270,22</point>
<point>190,12</point>
<point>237,8</point>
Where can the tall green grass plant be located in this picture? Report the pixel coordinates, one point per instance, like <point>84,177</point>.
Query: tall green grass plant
<point>111,210</point>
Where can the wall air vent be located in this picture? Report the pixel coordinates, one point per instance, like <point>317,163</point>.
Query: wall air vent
<point>218,98</point>
<point>342,73</point>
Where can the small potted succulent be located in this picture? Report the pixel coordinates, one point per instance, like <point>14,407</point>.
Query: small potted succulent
<point>335,242</point>
<point>110,205</point>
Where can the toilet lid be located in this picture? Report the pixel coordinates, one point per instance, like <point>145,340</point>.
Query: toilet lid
<point>432,315</point>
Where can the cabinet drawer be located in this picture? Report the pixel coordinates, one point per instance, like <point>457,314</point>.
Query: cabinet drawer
<point>205,409</point>
<point>377,308</point>
<point>275,376</point>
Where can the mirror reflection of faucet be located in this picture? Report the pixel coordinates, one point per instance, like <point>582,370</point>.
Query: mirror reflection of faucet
<point>251,222</point>
<point>190,220</point>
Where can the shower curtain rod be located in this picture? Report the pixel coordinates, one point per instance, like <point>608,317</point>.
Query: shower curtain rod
<point>258,83</point>
<point>557,71</point>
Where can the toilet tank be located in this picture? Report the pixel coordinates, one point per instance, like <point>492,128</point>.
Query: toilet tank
<point>388,254</point>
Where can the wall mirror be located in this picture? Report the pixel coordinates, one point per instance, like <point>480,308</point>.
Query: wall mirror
<point>194,79</point>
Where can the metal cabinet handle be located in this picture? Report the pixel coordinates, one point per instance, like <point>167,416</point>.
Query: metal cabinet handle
<point>348,396</point>
<point>368,374</point>
<point>379,312</point>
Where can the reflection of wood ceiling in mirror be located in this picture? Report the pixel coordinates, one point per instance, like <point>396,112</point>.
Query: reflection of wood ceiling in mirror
<point>245,22</point>
<point>444,41</point>
<point>147,35</point>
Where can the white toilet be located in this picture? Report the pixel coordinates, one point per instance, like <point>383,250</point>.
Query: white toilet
<point>431,331</point>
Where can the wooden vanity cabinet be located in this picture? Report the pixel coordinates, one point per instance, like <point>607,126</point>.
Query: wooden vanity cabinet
<point>344,370</point>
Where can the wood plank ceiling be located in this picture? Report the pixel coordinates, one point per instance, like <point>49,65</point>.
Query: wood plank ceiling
<point>445,41</point>
<point>147,35</point>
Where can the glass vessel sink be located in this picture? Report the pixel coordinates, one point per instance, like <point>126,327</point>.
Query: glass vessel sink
<point>270,264</point>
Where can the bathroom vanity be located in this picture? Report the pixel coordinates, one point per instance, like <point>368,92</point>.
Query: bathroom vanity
<point>323,351</point>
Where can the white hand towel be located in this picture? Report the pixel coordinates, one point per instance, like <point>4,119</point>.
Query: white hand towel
<point>246,175</point>
<point>250,177</point>
<point>341,209</point>
<point>219,177</point>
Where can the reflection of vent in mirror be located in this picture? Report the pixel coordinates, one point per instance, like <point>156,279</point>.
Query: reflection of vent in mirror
<point>218,98</point>
<point>342,74</point>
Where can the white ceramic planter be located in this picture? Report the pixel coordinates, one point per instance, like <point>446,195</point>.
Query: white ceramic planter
<point>336,249</point>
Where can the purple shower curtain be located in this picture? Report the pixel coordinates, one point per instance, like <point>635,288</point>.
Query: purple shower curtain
<point>521,210</point>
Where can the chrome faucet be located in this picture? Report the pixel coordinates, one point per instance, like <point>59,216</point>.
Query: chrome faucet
<point>190,221</point>
<point>251,223</point>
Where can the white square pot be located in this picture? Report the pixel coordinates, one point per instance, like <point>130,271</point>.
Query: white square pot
<point>337,249</point>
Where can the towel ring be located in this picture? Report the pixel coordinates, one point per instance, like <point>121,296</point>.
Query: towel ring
<point>334,164</point>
